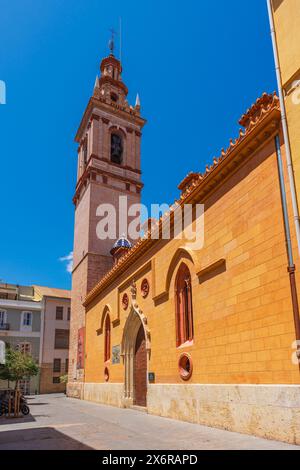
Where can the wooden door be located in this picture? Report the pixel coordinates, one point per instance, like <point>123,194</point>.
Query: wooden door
<point>140,369</point>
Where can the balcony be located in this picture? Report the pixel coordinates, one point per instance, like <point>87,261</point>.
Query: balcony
<point>4,326</point>
<point>8,291</point>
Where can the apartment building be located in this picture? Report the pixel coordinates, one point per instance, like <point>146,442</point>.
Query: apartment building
<point>54,345</point>
<point>20,325</point>
<point>36,320</point>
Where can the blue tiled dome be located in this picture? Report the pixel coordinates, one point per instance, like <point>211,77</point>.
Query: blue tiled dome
<point>122,243</point>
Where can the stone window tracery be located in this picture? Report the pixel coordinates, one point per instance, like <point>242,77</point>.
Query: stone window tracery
<point>184,306</point>
<point>107,339</point>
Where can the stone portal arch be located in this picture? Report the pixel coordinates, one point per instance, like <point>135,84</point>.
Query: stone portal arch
<point>136,323</point>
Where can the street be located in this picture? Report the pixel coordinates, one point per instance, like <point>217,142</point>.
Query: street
<point>58,422</point>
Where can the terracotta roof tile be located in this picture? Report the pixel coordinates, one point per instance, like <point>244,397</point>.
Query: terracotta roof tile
<point>52,292</point>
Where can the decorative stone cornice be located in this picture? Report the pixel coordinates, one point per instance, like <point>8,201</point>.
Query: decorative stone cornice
<point>261,105</point>
<point>188,181</point>
<point>93,170</point>
<point>110,60</point>
<point>116,83</point>
<point>126,112</point>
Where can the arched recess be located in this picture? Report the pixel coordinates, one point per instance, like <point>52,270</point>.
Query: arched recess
<point>119,132</point>
<point>134,321</point>
<point>107,338</point>
<point>183,305</point>
<point>106,310</point>
<point>181,254</point>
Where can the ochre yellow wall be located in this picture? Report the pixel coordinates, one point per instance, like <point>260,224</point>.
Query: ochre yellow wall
<point>293,117</point>
<point>243,318</point>
<point>287,20</point>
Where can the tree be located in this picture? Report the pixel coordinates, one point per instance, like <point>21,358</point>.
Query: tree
<point>18,366</point>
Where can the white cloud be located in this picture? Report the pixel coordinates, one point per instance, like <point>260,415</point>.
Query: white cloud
<point>69,260</point>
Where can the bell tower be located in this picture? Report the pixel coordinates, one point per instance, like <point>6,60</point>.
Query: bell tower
<point>109,138</point>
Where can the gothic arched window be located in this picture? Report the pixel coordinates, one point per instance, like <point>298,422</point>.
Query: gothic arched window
<point>116,148</point>
<point>183,306</point>
<point>107,339</point>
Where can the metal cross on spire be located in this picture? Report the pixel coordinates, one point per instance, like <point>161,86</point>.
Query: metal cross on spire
<point>111,43</point>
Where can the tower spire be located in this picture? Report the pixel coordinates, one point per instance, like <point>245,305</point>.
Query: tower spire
<point>96,82</point>
<point>137,101</point>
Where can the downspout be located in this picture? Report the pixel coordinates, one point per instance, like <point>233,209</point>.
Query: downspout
<point>42,335</point>
<point>288,240</point>
<point>285,127</point>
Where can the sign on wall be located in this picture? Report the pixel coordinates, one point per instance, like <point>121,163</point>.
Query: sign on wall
<point>151,377</point>
<point>116,354</point>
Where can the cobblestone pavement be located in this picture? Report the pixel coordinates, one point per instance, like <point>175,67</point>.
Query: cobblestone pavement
<point>58,422</point>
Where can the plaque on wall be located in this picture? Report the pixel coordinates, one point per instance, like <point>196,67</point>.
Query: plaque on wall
<point>151,377</point>
<point>116,354</point>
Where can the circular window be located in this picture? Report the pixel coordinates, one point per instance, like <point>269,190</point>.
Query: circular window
<point>125,301</point>
<point>106,374</point>
<point>145,288</point>
<point>185,365</point>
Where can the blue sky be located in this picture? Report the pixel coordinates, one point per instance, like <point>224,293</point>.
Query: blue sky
<point>196,65</point>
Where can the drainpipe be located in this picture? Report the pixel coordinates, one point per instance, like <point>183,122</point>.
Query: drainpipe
<point>288,241</point>
<point>42,337</point>
<point>285,127</point>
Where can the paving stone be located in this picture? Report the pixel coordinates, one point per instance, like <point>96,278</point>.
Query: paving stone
<point>65,423</point>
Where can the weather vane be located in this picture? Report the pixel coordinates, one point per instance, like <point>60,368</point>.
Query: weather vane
<point>111,43</point>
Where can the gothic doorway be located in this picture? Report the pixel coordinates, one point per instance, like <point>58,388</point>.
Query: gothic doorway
<point>135,355</point>
<point>140,369</point>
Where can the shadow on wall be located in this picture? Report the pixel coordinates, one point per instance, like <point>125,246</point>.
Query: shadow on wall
<point>276,4</point>
<point>39,439</point>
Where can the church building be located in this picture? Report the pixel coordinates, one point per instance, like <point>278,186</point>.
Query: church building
<point>202,334</point>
